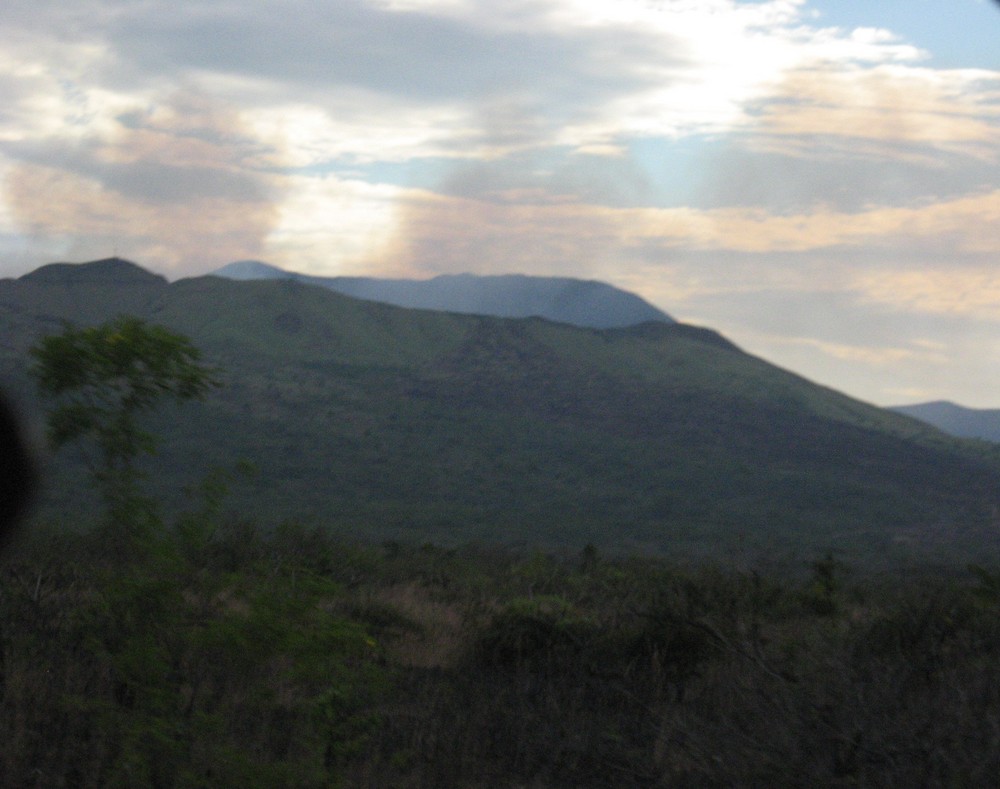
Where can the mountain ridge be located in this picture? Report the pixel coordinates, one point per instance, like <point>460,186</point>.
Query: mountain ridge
<point>956,420</point>
<point>113,270</point>
<point>420,425</point>
<point>578,302</point>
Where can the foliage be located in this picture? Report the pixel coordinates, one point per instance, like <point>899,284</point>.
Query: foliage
<point>163,670</point>
<point>102,379</point>
<point>537,631</point>
<point>419,425</point>
<point>285,657</point>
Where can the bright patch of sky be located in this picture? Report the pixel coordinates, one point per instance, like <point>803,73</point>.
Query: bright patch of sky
<point>953,34</point>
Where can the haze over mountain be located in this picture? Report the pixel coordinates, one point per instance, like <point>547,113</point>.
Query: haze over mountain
<point>437,426</point>
<point>563,299</point>
<point>957,420</point>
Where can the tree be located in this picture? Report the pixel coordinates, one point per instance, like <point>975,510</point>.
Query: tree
<point>102,379</point>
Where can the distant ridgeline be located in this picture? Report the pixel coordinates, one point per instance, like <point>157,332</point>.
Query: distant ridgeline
<point>109,271</point>
<point>566,300</point>
<point>956,420</point>
<point>429,425</point>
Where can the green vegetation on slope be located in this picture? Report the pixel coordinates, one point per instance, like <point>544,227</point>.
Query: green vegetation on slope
<point>214,651</point>
<point>425,425</point>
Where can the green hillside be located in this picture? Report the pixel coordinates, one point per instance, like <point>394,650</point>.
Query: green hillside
<point>431,426</point>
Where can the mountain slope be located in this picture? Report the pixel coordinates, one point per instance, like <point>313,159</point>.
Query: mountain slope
<point>425,425</point>
<point>574,301</point>
<point>956,420</point>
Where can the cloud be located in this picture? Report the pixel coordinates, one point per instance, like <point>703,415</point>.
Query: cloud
<point>180,185</point>
<point>582,74</point>
<point>836,175</point>
<point>440,55</point>
<point>967,224</point>
<point>969,292</point>
<point>540,231</point>
<point>738,163</point>
<point>846,137</point>
<point>871,355</point>
<point>470,83</point>
<point>954,109</point>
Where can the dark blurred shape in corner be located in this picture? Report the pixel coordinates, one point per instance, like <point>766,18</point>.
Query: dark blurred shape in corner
<point>18,474</point>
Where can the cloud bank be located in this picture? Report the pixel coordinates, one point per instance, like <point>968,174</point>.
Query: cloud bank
<point>728,160</point>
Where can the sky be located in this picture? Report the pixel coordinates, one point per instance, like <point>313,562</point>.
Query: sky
<point>817,180</point>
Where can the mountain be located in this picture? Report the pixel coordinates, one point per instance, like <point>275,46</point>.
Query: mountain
<point>574,301</point>
<point>109,271</point>
<point>419,425</point>
<point>956,420</point>
<point>255,269</point>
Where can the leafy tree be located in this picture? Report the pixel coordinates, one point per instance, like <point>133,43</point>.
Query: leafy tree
<point>102,379</point>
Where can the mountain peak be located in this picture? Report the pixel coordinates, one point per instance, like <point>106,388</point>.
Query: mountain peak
<point>107,271</point>
<point>251,269</point>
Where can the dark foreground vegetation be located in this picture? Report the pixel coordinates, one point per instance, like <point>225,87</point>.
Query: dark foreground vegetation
<point>216,653</point>
<point>204,650</point>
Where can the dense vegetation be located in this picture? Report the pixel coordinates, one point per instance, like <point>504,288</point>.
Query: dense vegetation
<point>218,653</point>
<point>420,426</point>
<point>205,649</point>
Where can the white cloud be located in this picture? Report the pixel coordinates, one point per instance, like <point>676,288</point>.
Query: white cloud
<point>957,110</point>
<point>556,136</point>
<point>964,290</point>
<point>869,355</point>
<point>365,130</point>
